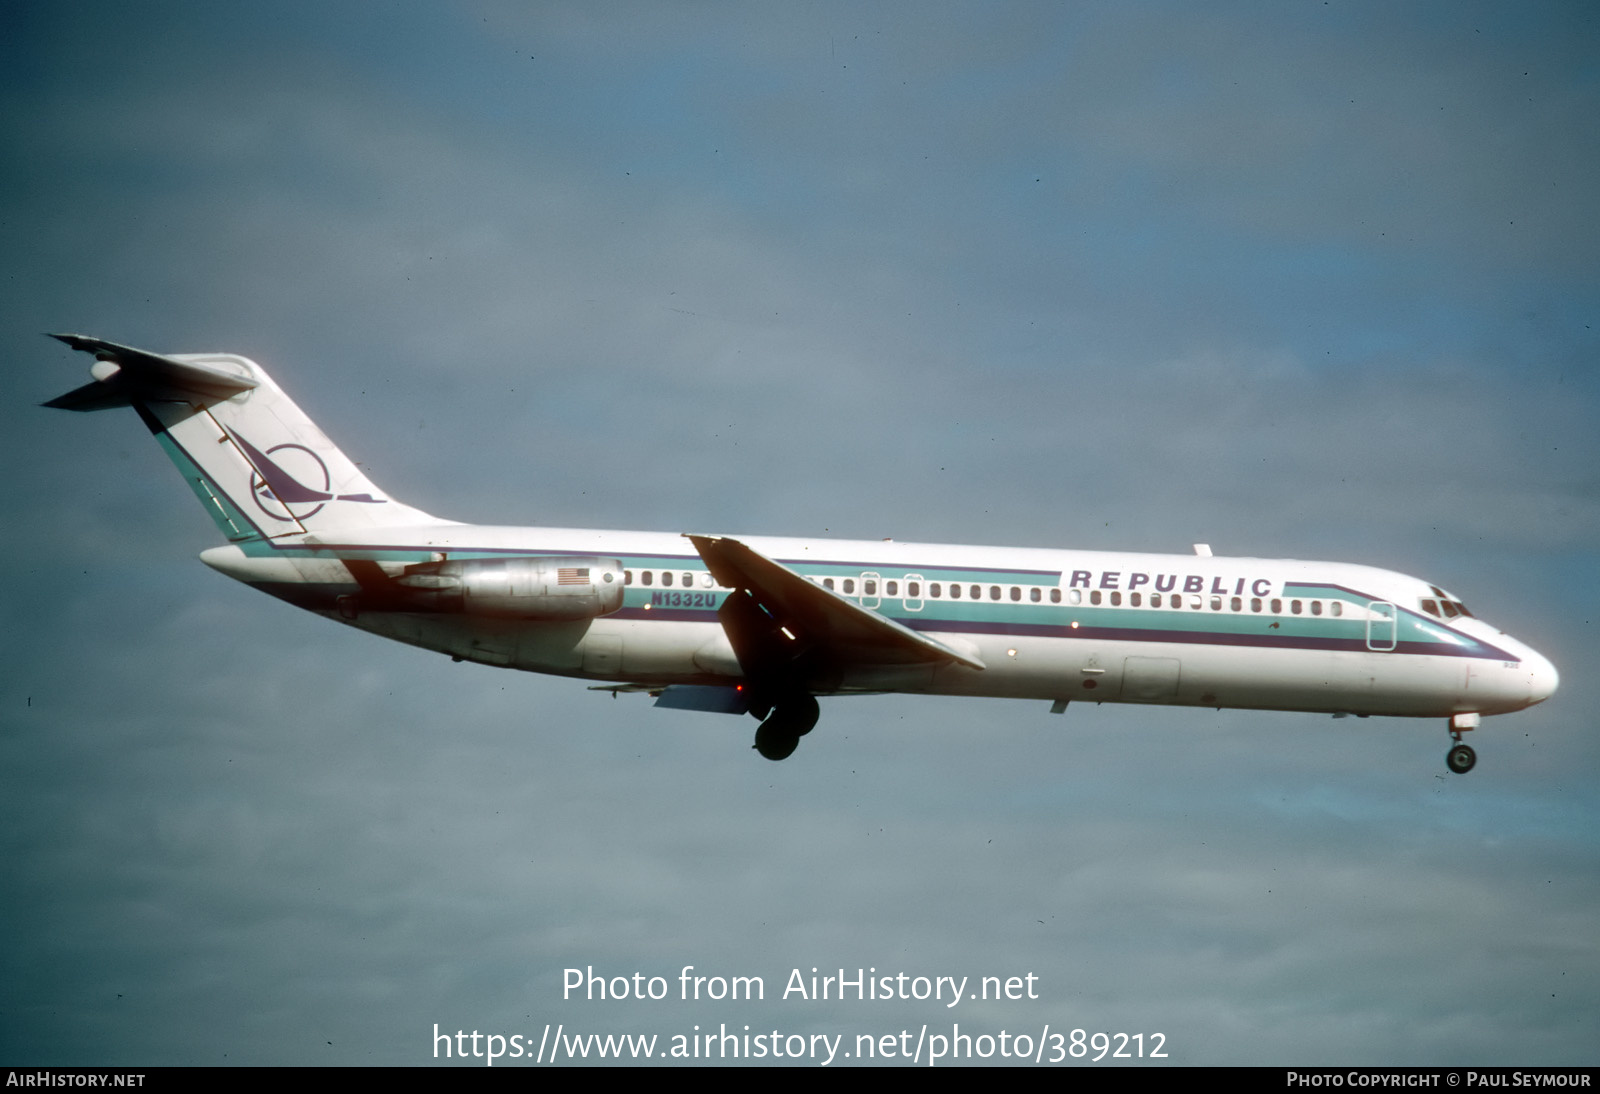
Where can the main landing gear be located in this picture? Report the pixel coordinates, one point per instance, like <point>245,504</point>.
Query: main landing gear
<point>790,720</point>
<point>1461,758</point>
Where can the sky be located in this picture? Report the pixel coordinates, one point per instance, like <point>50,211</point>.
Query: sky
<point>1303,280</point>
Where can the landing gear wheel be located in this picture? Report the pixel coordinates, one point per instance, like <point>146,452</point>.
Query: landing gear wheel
<point>780,734</point>
<point>1461,758</point>
<point>803,713</point>
<point>775,744</point>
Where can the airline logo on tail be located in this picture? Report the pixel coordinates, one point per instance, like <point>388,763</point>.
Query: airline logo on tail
<point>278,483</point>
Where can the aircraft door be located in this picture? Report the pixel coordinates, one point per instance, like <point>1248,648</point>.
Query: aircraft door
<point>1382,619</point>
<point>1150,679</point>
<point>871,589</point>
<point>913,599</point>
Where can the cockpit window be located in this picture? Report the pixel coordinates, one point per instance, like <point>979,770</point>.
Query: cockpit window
<point>1446,607</point>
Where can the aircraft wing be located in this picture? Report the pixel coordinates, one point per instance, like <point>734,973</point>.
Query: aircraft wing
<point>778,606</point>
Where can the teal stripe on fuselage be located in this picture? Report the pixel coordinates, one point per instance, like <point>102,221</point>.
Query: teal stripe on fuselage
<point>1414,633</point>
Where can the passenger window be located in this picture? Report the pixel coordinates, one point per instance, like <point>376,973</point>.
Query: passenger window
<point>666,578</point>
<point>1116,600</point>
<point>913,589</point>
<point>892,588</point>
<point>1195,602</point>
<point>1075,596</point>
<point>976,592</point>
<point>647,576</point>
<point>1094,597</point>
<point>994,592</point>
<point>934,590</point>
<point>1034,595</point>
<point>1016,593</point>
<point>1055,596</point>
<point>1155,600</point>
<point>1216,603</point>
<point>827,583</point>
<point>627,577</point>
<point>869,588</point>
<point>1316,607</point>
<point>1133,599</point>
<point>955,592</point>
<point>1294,606</point>
<point>850,586</point>
<point>1337,608</point>
<point>688,581</point>
<point>1236,605</point>
<point>1277,606</point>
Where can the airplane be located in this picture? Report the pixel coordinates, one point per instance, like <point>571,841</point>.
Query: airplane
<point>763,626</point>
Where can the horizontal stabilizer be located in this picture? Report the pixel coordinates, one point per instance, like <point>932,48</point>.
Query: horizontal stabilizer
<point>123,375</point>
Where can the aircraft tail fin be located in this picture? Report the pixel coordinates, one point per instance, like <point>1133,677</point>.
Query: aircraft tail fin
<point>260,467</point>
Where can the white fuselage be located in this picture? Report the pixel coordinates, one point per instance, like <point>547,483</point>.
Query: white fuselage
<point>1046,624</point>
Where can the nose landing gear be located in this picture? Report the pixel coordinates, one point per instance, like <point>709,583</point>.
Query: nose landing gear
<point>1461,758</point>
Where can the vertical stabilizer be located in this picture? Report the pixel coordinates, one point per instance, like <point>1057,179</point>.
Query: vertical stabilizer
<point>259,466</point>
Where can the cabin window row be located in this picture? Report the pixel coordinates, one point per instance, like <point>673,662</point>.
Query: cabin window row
<point>1033,594</point>
<point>1196,602</point>
<point>666,578</point>
<point>937,590</point>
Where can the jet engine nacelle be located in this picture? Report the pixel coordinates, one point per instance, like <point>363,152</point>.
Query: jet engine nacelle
<point>556,587</point>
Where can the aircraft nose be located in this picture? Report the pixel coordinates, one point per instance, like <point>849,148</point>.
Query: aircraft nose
<point>1542,677</point>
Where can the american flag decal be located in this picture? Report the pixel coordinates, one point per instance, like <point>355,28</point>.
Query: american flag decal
<point>572,575</point>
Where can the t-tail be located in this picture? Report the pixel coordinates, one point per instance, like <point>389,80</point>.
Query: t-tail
<point>260,467</point>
